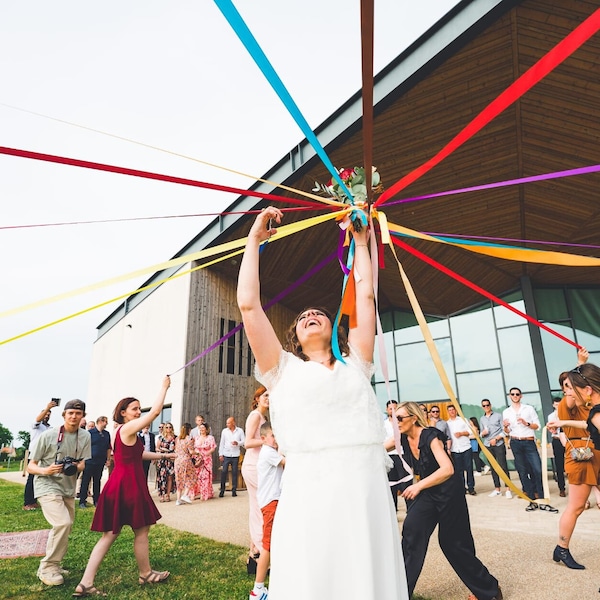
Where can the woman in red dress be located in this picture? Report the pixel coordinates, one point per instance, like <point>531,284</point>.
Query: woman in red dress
<point>125,499</point>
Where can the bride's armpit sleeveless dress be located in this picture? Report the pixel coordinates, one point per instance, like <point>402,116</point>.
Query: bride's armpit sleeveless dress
<point>335,534</point>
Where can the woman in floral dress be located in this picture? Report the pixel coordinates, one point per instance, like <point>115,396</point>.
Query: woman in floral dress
<point>165,467</point>
<point>185,471</point>
<point>205,446</point>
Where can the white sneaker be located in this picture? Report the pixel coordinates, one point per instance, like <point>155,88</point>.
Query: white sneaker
<point>495,493</point>
<point>486,470</point>
<point>186,499</point>
<point>178,503</point>
<point>262,595</point>
<point>508,494</point>
<point>51,578</point>
<point>477,474</point>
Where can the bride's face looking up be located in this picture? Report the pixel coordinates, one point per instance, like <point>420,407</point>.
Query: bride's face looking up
<point>313,323</point>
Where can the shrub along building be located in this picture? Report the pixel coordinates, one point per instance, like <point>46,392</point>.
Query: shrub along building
<point>421,101</point>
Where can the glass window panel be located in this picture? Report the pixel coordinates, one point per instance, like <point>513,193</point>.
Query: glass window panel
<point>507,318</point>
<point>418,379</point>
<point>474,341</point>
<point>550,305</point>
<point>517,358</point>
<point>585,305</point>
<point>559,355</point>
<point>388,339</point>
<point>408,335</point>
<point>382,394</point>
<point>474,387</point>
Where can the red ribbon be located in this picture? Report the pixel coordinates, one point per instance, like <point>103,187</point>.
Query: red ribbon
<point>475,287</point>
<point>523,84</point>
<point>74,162</point>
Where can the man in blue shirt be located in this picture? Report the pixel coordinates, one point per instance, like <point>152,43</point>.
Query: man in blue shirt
<point>94,467</point>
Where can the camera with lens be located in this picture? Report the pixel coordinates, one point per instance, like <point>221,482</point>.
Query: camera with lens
<point>69,464</point>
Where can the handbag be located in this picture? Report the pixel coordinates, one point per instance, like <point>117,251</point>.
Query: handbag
<point>581,454</point>
<point>197,461</point>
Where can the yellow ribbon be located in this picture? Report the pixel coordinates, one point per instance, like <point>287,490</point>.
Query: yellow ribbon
<point>282,232</point>
<point>519,254</point>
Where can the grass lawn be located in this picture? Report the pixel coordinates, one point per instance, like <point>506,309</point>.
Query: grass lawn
<point>201,569</point>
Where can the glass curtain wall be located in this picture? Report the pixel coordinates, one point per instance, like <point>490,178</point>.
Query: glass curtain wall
<point>487,350</point>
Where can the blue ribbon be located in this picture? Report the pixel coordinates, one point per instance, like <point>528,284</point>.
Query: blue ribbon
<point>244,34</point>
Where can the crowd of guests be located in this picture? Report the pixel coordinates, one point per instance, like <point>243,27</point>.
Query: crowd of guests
<point>433,462</point>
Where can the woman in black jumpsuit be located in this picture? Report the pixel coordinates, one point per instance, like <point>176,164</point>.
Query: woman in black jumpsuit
<point>437,498</point>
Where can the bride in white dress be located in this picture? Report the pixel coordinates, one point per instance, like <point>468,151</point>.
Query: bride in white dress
<point>335,534</point>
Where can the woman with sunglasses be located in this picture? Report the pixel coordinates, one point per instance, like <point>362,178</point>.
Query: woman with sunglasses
<point>335,533</point>
<point>577,412</point>
<point>438,499</point>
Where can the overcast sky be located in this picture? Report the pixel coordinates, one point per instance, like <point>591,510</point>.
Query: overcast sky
<point>169,74</point>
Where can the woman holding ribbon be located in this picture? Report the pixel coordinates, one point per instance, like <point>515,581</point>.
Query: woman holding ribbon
<point>318,526</point>
<point>574,411</point>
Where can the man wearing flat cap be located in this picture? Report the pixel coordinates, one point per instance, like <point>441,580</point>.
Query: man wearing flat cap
<point>58,457</point>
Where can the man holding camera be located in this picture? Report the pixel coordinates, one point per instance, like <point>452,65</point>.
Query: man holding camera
<point>59,455</point>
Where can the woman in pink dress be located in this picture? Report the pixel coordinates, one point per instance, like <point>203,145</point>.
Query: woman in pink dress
<point>259,407</point>
<point>125,499</point>
<point>185,471</point>
<point>205,446</point>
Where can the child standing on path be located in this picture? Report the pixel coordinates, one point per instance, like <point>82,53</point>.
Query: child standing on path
<point>270,468</point>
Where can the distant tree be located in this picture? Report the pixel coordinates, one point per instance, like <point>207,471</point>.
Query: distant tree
<point>25,438</point>
<point>6,437</point>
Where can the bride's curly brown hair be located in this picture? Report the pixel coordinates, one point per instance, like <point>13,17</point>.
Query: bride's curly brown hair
<point>292,344</point>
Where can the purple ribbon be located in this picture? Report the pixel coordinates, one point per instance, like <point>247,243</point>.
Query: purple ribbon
<point>489,186</point>
<point>268,305</point>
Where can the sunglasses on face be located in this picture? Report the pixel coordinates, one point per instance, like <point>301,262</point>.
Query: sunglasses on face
<point>402,417</point>
<point>577,370</point>
<point>435,410</point>
<point>484,405</point>
<point>514,394</point>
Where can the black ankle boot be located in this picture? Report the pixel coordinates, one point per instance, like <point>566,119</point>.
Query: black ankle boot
<point>563,554</point>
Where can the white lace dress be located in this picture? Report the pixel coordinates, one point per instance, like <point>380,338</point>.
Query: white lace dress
<point>335,534</point>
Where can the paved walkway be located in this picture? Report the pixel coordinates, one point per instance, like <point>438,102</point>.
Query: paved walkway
<point>514,544</point>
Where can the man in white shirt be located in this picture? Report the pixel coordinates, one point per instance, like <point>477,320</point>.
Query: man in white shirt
<point>520,422</point>
<point>398,476</point>
<point>232,438</point>
<point>461,448</point>
<point>558,449</point>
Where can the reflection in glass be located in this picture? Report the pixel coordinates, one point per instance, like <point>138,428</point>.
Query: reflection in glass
<point>517,358</point>
<point>507,318</point>
<point>474,387</point>
<point>413,334</point>
<point>551,305</point>
<point>388,339</point>
<point>418,379</point>
<point>559,355</point>
<point>474,341</point>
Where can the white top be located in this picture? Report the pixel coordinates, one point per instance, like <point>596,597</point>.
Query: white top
<point>463,443</point>
<point>36,430</point>
<point>526,412</point>
<point>389,433</point>
<point>269,470</point>
<point>226,448</point>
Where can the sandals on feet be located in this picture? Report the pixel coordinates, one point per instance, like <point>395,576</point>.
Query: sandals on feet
<point>153,577</point>
<point>548,508</point>
<point>83,591</point>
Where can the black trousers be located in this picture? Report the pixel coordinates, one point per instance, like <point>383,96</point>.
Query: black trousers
<point>233,461</point>
<point>91,473</point>
<point>499,453</point>
<point>449,511</point>
<point>146,465</point>
<point>559,463</point>
<point>29,495</point>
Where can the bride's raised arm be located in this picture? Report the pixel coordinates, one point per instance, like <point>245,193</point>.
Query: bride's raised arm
<point>265,345</point>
